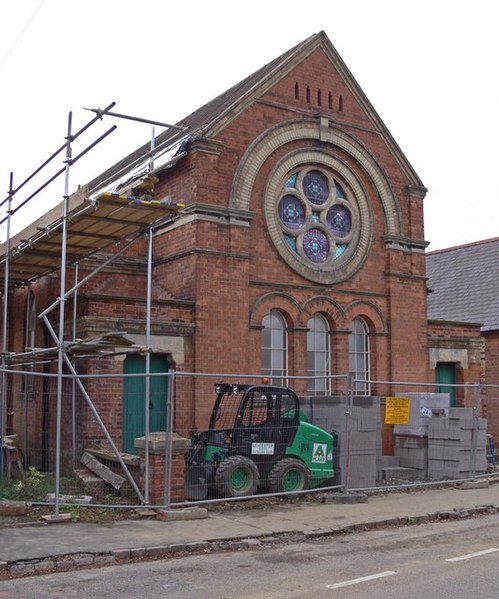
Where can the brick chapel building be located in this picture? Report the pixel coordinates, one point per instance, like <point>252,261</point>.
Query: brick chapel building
<point>300,251</point>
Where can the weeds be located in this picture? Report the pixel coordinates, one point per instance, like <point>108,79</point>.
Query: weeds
<point>33,488</point>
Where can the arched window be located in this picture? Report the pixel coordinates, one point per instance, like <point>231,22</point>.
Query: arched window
<point>275,348</point>
<point>359,356</point>
<point>318,357</point>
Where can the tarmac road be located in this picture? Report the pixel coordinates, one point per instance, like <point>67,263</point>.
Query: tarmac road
<point>455,559</point>
<point>41,548</point>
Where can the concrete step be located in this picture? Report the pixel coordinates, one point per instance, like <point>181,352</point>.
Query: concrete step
<point>388,461</point>
<point>89,481</point>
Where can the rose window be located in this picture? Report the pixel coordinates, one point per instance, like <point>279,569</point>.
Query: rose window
<point>316,216</point>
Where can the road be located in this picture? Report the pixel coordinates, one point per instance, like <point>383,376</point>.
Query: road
<point>458,560</point>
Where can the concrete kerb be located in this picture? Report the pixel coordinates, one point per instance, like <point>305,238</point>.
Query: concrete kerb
<point>80,560</point>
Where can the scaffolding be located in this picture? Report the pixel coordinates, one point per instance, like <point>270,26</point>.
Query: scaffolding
<point>98,223</point>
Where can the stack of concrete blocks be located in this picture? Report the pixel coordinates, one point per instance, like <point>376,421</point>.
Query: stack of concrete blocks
<point>411,440</point>
<point>457,446</point>
<point>365,435</point>
<point>411,451</point>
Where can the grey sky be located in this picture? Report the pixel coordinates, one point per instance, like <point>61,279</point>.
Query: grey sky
<point>428,67</point>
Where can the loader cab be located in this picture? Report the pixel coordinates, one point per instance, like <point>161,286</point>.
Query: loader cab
<point>258,421</point>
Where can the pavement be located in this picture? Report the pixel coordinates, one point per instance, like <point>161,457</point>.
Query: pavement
<point>41,547</point>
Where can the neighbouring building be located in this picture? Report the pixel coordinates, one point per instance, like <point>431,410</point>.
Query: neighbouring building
<point>463,312</point>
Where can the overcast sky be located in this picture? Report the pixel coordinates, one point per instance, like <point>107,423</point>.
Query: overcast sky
<point>428,67</point>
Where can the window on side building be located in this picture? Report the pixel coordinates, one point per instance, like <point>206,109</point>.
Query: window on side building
<point>318,356</point>
<point>359,358</point>
<point>275,348</point>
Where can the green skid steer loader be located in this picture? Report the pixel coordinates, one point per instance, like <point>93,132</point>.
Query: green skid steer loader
<point>257,438</point>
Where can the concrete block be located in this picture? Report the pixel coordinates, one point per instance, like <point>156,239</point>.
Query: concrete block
<point>57,519</point>
<point>415,463</point>
<point>474,484</point>
<point>438,403</point>
<point>192,513</point>
<point>388,461</point>
<point>400,473</point>
<point>411,442</point>
<point>76,499</point>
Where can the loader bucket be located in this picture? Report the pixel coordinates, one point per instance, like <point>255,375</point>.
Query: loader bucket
<point>196,483</point>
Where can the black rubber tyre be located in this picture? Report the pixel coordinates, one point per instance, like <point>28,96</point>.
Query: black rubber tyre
<point>237,476</point>
<point>288,475</point>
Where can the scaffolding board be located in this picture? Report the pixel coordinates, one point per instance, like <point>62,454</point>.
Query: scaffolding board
<point>92,226</point>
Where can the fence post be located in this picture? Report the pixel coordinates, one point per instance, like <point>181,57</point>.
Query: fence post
<point>169,439</point>
<point>348,431</point>
<point>474,429</point>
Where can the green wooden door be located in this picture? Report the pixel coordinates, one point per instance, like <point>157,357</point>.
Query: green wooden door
<point>134,391</point>
<point>445,374</point>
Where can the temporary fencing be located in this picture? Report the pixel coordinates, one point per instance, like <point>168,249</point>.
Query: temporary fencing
<point>163,438</point>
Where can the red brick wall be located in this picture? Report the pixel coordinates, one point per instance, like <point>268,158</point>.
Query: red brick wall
<point>491,378</point>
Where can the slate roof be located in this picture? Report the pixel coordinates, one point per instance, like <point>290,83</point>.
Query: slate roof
<point>465,284</point>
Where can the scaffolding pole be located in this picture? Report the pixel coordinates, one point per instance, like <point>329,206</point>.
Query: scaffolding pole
<point>3,401</point>
<point>60,341</point>
<point>169,439</point>
<point>73,382</point>
<point>147,396</point>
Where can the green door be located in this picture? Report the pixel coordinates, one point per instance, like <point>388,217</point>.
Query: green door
<point>134,391</point>
<point>445,374</point>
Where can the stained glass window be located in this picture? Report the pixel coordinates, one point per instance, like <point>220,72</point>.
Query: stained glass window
<point>339,220</point>
<point>316,187</point>
<point>339,192</point>
<point>339,250</point>
<point>316,215</point>
<point>316,245</point>
<point>291,182</point>
<point>291,241</point>
<point>291,212</point>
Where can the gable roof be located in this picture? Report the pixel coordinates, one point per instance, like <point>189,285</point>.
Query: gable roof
<point>464,281</point>
<point>205,121</point>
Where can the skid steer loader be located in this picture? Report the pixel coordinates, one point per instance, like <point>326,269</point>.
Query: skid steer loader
<point>257,439</point>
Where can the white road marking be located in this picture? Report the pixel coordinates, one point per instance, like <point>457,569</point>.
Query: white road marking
<point>470,555</point>
<point>348,583</point>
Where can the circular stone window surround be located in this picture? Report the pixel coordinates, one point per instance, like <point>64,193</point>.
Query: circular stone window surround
<point>359,239</point>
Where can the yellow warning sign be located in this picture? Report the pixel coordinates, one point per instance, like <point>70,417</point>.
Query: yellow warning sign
<point>397,410</point>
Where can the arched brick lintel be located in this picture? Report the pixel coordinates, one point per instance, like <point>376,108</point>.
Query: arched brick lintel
<point>272,139</point>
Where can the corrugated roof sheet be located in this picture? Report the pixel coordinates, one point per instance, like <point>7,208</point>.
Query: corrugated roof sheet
<point>465,284</point>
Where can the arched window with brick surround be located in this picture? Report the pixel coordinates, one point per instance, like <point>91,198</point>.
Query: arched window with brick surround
<point>359,359</point>
<point>275,348</point>
<point>318,356</point>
